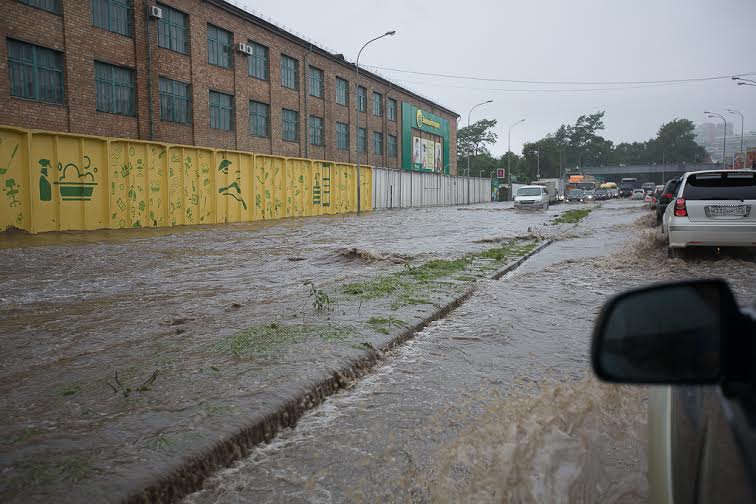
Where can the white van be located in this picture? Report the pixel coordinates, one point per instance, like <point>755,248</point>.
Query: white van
<point>532,196</point>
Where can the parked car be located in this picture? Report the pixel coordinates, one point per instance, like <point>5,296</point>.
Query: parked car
<point>602,194</point>
<point>655,196</point>
<point>532,196</point>
<point>638,194</point>
<point>589,195</point>
<point>713,208</point>
<point>667,195</point>
<point>614,193</point>
<point>692,337</point>
<point>575,195</point>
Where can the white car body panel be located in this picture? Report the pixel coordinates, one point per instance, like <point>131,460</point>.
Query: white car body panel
<point>539,201</point>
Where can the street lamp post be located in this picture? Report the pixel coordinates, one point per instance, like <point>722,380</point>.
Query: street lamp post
<point>744,82</point>
<point>509,157</point>
<point>468,154</point>
<point>742,121</point>
<point>711,115</point>
<point>538,165</point>
<point>357,95</point>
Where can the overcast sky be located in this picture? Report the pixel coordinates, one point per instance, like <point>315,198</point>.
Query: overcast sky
<point>548,40</point>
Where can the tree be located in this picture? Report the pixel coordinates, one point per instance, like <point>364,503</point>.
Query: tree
<point>475,139</point>
<point>676,142</point>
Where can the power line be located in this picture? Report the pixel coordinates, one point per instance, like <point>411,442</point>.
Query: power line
<point>577,83</point>
<point>535,90</point>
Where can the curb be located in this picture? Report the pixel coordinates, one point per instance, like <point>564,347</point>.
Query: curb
<point>191,472</point>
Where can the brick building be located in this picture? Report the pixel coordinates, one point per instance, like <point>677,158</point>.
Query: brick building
<point>180,75</point>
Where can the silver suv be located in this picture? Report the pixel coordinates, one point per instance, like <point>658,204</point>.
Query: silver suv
<point>712,209</point>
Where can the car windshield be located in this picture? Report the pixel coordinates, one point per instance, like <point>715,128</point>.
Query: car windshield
<point>576,192</point>
<point>721,186</point>
<point>529,191</point>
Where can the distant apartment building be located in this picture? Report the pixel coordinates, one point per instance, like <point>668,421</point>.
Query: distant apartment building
<point>208,73</point>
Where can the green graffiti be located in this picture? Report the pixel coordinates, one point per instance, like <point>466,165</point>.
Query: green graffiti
<point>4,169</point>
<point>154,187</point>
<point>301,179</point>
<point>126,169</point>
<point>11,191</point>
<point>226,191</point>
<point>316,191</point>
<point>223,166</point>
<point>121,204</point>
<point>76,190</point>
<point>20,218</point>
<point>142,206</point>
<point>195,199</point>
<point>136,224</point>
<point>187,165</point>
<point>132,194</point>
<point>258,201</point>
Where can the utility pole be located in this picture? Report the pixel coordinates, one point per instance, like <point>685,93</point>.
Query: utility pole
<point>742,121</point>
<point>712,115</point>
<point>468,129</point>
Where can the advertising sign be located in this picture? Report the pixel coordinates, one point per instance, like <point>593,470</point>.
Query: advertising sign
<point>500,173</point>
<point>427,155</point>
<point>751,159</point>
<point>739,161</point>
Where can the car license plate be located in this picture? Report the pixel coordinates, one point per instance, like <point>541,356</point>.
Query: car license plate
<point>726,210</point>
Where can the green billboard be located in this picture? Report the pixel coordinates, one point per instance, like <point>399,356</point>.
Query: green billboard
<point>424,154</point>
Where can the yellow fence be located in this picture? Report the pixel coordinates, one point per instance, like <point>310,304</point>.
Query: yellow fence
<point>56,181</point>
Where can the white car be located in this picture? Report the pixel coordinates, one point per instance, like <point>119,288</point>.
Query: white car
<point>532,196</point>
<point>638,194</point>
<point>712,208</point>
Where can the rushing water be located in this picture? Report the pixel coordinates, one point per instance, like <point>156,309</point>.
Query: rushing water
<point>494,403</point>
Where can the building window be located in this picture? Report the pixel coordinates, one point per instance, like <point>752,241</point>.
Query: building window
<point>112,15</point>
<point>361,140</point>
<point>115,89</point>
<point>316,130</point>
<point>342,91</point>
<point>377,143</point>
<point>377,104</point>
<point>219,46</point>
<point>259,119</point>
<point>259,62</point>
<point>221,111</point>
<point>48,5</point>
<point>391,146</point>
<point>175,101</point>
<point>391,109</point>
<point>35,72</point>
<point>342,136</point>
<point>173,30</point>
<point>289,72</point>
<point>290,125</point>
<point>316,82</point>
<point>361,97</point>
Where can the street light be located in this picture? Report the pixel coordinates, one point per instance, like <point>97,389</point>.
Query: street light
<point>712,115</point>
<point>468,125</point>
<point>538,165</point>
<point>357,84</point>
<point>744,82</point>
<point>509,157</point>
<point>735,112</point>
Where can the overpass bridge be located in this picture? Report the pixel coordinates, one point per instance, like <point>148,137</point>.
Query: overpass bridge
<point>645,172</point>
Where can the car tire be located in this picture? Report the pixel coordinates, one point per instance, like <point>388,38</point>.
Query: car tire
<point>658,219</point>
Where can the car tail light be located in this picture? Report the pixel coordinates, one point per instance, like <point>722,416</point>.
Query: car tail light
<point>667,195</point>
<point>680,209</point>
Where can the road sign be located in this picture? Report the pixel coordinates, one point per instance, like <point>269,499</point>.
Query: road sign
<point>500,173</point>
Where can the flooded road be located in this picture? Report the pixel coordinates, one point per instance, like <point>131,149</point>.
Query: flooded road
<point>127,352</point>
<point>496,402</point>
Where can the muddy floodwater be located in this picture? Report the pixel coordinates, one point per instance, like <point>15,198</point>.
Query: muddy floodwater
<point>495,403</point>
<point>125,354</point>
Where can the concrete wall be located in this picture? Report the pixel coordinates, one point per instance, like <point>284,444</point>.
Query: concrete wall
<point>402,189</point>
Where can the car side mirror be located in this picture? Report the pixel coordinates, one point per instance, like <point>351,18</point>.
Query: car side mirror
<point>673,333</point>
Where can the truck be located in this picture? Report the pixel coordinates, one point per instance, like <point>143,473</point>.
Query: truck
<point>555,186</point>
<point>627,185</point>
